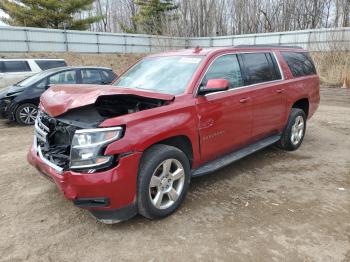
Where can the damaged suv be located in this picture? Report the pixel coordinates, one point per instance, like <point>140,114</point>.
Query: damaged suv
<point>133,147</point>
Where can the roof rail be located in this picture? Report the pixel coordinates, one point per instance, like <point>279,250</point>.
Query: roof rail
<point>272,46</point>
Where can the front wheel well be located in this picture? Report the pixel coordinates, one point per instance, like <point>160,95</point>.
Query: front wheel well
<point>181,142</point>
<point>302,104</point>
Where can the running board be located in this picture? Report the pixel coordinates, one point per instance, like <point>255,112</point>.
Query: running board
<point>234,156</point>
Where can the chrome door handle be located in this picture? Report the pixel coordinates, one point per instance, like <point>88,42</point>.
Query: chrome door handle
<point>244,100</point>
<point>279,91</point>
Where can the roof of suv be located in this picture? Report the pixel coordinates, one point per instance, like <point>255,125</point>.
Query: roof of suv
<point>207,51</point>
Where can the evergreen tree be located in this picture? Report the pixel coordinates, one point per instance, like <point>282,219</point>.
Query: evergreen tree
<point>151,14</point>
<point>48,13</point>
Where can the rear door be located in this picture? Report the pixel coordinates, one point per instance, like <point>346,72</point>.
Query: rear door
<point>262,74</point>
<point>225,118</point>
<point>15,71</point>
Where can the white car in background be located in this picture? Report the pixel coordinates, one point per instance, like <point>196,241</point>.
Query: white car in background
<point>14,70</point>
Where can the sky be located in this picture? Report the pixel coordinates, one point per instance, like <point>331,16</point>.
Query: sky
<point>2,15</point>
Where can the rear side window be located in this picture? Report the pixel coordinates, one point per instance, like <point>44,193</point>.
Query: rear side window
<point>225,67</point>
<point>48,64</point>
<point>66,77</point>
<point>91,76</point>
<point>15,66</point>
<point>108,76</point>
<point>300,64</point>
<point>259,68</point>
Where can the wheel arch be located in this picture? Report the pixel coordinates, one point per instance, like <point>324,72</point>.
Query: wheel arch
<point>182,142</point>
<point>303,104</point>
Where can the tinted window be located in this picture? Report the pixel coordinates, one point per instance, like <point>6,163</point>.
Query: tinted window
<point>67,77</point>
<point>91,76</point>
<point>41,84</point>
<point>48,64</point>
<point>300,64</point>
<point>15,66</point>
<point>259,67</point>
<point>108,76</point>
<point>225,67</point>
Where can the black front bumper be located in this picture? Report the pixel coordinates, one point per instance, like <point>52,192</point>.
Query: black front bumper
<point>5,109</point>
<point>113,216</point>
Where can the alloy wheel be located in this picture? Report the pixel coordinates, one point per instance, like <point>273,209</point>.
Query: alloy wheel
<point>297,130</point>
<point>28,115</point>
<point>167,183</point>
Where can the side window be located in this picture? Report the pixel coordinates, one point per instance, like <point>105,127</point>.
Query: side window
<point>259,68</point>
<point>41,84</point>
<point>67,77</point>
<point>225,67</point>
<point>16,66</point>
<point>108,76</point>
<point>300,64</point>
<point>1,67</point>
<point>48,64</point>
<point>91,76</point>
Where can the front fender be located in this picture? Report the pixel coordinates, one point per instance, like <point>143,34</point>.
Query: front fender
<point>153,126</point>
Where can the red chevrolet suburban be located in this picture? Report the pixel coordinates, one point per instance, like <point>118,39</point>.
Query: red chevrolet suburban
<point>134,146</point>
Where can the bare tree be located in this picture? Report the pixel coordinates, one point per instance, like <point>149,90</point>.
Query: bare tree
<point>222,17</point>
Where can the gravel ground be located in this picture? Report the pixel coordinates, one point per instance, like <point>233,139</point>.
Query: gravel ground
<point>271,206</point>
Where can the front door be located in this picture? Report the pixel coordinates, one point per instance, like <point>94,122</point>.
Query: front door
<point>225,118</point>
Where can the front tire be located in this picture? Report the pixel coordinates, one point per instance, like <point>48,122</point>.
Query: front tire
<point>294,132</point>
<point>26,114</point>
<point>163,181</point>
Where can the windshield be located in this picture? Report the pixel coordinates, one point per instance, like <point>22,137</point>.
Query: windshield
<point>33,79</point>
<point>169,75</point>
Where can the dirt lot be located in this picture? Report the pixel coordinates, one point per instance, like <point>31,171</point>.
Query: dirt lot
<point>271,206</point>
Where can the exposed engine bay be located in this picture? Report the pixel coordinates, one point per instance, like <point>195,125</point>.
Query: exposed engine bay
<point>107,107</point>
<point>54,134</point>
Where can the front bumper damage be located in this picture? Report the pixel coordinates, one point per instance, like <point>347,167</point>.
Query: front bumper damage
<point>109,195</point>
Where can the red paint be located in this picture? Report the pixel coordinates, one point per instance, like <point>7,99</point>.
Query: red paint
<point>217,84</point>
<point>214,124</point>
<point>61,98</point>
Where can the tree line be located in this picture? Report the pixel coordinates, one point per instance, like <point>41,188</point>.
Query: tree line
<point>189,18</point>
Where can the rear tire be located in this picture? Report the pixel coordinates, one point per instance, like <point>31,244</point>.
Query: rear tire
<point>294,132</point>
<point>163,181</point>
<point>26,114</point>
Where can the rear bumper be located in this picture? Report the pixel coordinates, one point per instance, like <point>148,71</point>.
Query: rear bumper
<point>109,195</point>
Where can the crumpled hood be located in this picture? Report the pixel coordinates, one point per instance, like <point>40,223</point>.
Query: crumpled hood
<point>60,98</point>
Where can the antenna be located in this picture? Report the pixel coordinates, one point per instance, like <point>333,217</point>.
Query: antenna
<point>197,50</point>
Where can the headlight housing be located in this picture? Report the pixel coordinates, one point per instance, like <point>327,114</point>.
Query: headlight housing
<point>88,145</point>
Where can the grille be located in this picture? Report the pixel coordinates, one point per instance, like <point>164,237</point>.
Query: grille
<point>41,130</point>
<point>53,138</point>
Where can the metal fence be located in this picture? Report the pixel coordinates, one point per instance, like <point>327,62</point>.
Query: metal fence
<point>26,39</point>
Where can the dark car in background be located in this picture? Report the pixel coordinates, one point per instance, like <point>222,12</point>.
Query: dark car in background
<point>20,102</point>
